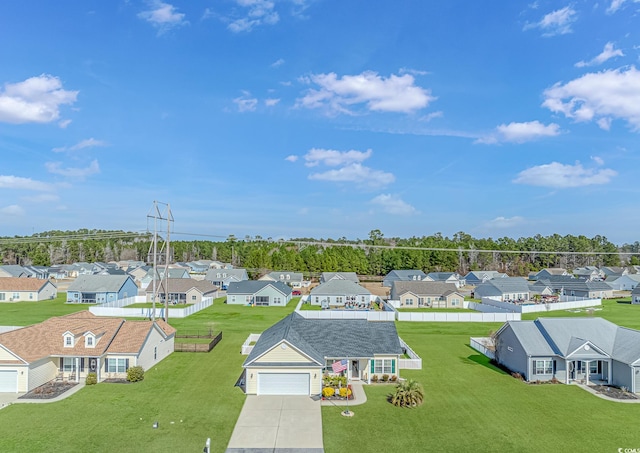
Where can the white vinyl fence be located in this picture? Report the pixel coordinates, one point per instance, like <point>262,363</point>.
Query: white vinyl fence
<point>247,347</point>
<point>458,317</point>
<point>123,312</point>
<point>566,303</point>
<point>483,345</point>
<point>414,363</point>
<point>348,314</point>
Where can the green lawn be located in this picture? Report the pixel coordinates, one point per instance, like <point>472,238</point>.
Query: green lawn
<point>310,307</point>
<point>27,313</point>
<point>469,405</point>
<point>619,311</point>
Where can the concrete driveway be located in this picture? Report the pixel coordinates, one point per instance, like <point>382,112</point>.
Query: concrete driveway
<point>278,424</point>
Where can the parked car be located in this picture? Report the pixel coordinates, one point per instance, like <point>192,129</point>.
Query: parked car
<point>296,292</point>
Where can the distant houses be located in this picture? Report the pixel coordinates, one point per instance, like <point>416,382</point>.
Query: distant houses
<point>100,289</point>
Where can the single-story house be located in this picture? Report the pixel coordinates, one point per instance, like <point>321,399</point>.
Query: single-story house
<point>567,286</point>
<point>328,276</point>
<point>477,277</point>
<point>571,349</point>
<point>99,289</point>
<point>446,277</point>
<point>340,293</point>
<point>138,273</point>
<point>614,271</point>
<point>172,272</point>
<point>509,289</point>
<point>259,293</point>
<point>69,347</point>
<point>291,356</point>
<point>13,270</point>
<point>547,272</point>
<point>427,294</point>
<point>589,273</point>
<point>626,282</point>
<point>403,275</point>
<point>293,279</point>
<point>635,295</point>
<point>19,289</point>
<point>184,291</point>
<point>224,277</point>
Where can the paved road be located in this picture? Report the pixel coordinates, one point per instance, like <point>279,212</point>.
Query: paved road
<point>278,424</point>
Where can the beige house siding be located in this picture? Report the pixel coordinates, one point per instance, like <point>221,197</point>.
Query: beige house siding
<point>6,355</point>
<point>191,293</point>
<point>42,371</point>
<point>48,292</point>
<point>409,300</point>
<point>154,340</point>
<point>106,375</point>
<point>315,381</point>
<point>288,354</point>
<point>396,371</point>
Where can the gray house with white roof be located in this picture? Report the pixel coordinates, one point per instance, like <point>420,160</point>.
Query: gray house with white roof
<point>291,356</point>
<point>224,277</point>
<point>508,289</point>
<point>259,293</point>
<point>340,293</point>
<point>99,289</point>
<point>571,349</point>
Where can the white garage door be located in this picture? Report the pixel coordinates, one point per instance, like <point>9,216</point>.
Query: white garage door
<point>8,381</point>
<point>283,383</point>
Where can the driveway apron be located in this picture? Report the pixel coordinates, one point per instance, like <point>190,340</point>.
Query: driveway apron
<point>278,424</point>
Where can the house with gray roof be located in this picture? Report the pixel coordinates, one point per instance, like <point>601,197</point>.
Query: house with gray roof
<point>567,286</point>
<point>13,270</point>
<point>293,279</point>
<point>588,273</point>
<point>427,294</point>
<point>99,289</point>
<point>328,276</point>
<point>340,293</point>
<point>626,282</point>
<point>446,277</point>
<point>403,275</point>
<point>509,289</point>
<point>172,272</point>
<point>259,293</point>
<point>224,277</point>
<point>184,291</point>
<point>291,356</point>
<point>635,295</point>
<point>571,350</point>
<point>547,272</point>
<point>477,277</point>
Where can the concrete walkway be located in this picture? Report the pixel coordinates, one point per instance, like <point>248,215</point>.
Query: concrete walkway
<point>278,424</point>
<point>7,399</point>
<point>605,397</point>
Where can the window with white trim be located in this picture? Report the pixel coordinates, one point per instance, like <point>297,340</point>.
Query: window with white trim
<point>89,341</point>
<point>408,301</point>
<point>543,367</point>
<point>68,341</point>
<point>116,365</point>
<point>383,366</point>
<point>455,302</point>
<point>338,299</point>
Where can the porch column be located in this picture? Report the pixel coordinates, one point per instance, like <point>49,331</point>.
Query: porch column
<point>586,372</point>
<point>77,369</point>
<point>566,367</point>
<point>609,372</point>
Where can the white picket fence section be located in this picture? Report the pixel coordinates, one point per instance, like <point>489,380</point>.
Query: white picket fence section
<point>414,363</point>
<point>566,303</point>
<point>123,312</point>
<point>348,314</point>
<point>481,344</point>
<point>458,317</point>
<point>247,347</point>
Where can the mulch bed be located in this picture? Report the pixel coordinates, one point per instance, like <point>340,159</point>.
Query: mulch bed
<point>117,381</point>
<point>48,390</point>
<point>614,392</point>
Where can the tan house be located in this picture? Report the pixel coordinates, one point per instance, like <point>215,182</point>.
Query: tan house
<point>426,294</point>
<point>22,289</point>
<point>184,290</point>
<point>69,347</point>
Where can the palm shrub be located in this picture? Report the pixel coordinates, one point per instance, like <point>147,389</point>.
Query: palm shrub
<point>407,394</point>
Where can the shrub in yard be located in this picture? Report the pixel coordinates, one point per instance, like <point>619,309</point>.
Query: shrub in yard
<point>393,378</point>
<point>385,377</point>
<point>517,376</point>
<point>407,394</point>
<point>344,392</point>
<point>92,379</point>
<point>135,374</point>
<point>374,378</point>
<point>328,392</point>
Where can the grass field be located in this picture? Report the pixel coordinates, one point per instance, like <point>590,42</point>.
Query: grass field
<point>469,404</point>
<point>27,313</point>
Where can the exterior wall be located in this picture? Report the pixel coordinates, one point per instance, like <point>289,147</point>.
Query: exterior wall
<point>42,371</point>
<point>129,289</point>
<point>370,371</point>
<point>6,355</point>
<point>289,354</point>
<point>154,340</point>
<point>509,352</point>
<point>622,375</point>
<point>272,293</point>
<point>315,374</point>
<point>409,300</point>
<point>191,293</point>
<point>103,374</point>
<point>48,292</point>
<point>338,300</point>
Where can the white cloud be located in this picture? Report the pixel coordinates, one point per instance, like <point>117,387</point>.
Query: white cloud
<point>607,94</point>
<point>520,132</point>
<point>35,100</point>
<point>42,198</point>
<point>559,175</point>
<point>431,116</point>
<point>87,143</point>
<point>616,4</point>
<point>258,12</point>
<point>393,204</point>
<point>598,160</point>
<point>358,174</point>
<point>291,158</point>
<point>607,53</point>
<point>333,158</point>
<point>12,210</point>
<point>163,16</point>
<point>278,62</point>
<point>504,222</point>
<point>246,103</point>
<point>70,172</point>
<point>270,102</point>
<point>17,182</point>
<point>382,94</point>
<point>557,22</point>
<point>64,123</point>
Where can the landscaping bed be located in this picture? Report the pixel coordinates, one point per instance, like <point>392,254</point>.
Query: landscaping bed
<point>48,390</point>
<point>614,392</point>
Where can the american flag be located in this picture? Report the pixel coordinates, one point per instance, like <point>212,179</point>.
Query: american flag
<point>339,366</point>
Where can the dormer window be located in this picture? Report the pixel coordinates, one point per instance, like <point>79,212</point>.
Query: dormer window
<point>89,341</point>
<point>68,341</point>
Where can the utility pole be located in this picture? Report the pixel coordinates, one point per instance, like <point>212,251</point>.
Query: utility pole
<point>156,214</point>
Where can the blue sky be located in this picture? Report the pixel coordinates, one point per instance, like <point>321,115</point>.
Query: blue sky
<point>319,118</point>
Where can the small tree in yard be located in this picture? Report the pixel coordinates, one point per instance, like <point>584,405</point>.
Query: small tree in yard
<point>135,374</point>
<point>407,394</point>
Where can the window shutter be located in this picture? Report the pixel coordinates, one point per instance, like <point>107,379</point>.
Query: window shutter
<point>61,364</point>
<point>393,366</point>
<point>534,367</point>
<point>373,366</point>
<point>82,364</point>
<point>126,364</point>
<point>106,365</point>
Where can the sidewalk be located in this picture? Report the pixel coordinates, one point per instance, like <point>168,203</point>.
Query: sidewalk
<point>7,399</point>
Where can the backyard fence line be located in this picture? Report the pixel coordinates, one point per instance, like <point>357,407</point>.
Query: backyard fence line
<point>535,308</point>
<point>123,312</point>
<point>198,347</point>
<point>458,317</point>
<point>414,362</point>
<point>348,314</point>
<point>247,347</point>
<point>480,344</point>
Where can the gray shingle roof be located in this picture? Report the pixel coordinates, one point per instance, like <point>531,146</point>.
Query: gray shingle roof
<point>98,283</point>
<point>423,288</point>
<point>339,287</point>
<point>326,276</point>
<point>506,285</point>
<point>253,286</point>
<point>405,274</point>
<point>330,338</point>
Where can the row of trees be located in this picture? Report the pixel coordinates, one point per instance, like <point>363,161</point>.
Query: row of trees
<point>375,255</point>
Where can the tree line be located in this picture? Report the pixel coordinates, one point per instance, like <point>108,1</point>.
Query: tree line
<point>375,255</point>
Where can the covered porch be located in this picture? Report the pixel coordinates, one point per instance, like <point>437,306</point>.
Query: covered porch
<point>588,371</point>
<point>75,368</point>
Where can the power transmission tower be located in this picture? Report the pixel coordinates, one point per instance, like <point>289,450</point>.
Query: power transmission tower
<point>160,211</point>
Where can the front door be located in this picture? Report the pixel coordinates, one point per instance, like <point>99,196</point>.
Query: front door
<point>355,369</point>
<point>93,364</point>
